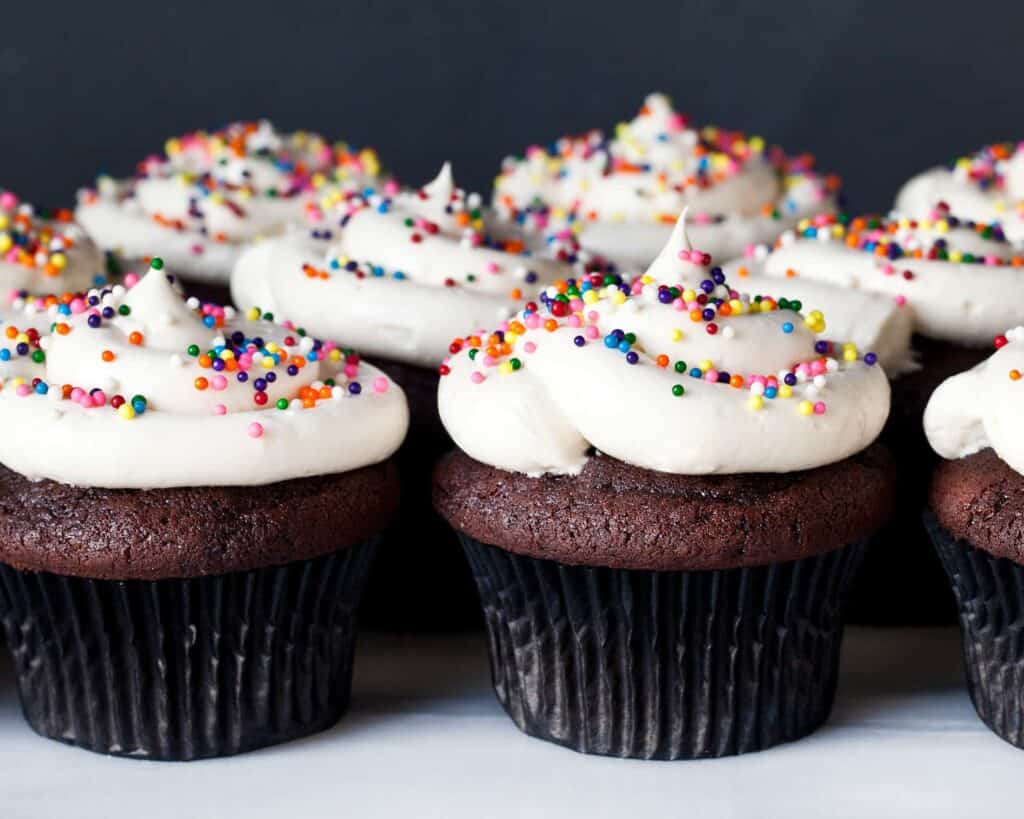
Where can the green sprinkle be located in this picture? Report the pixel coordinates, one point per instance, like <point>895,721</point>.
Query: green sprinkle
<point>678,390</point>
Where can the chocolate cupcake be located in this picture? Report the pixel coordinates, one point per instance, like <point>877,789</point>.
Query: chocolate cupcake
<point>189,508</point>
<point>627,189</point>
<point>976,504</point>
<point>397,274</point>
<point>956,280</point>
<point>211,194</point>
<point>663,490</point>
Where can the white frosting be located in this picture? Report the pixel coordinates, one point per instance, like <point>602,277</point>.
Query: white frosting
<point>44,252</point>
<point>211,194</point>
<point>987,186</point>
<point>628,190</point>
<point>872,321</point>
<point>980,408</point>
<point>398,276</point>
<point>544,415</point>
<point>965,302</point>
<point>187,436</point>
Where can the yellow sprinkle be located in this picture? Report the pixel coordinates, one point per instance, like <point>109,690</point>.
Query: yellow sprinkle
<point>335,354</point>
<point>253,313</point>
<point>646,279</point>
<point>5,242</point>
<point>505,368</point>
<point>689,295</point>
<point>618,297</point>
<point>126,411</point>
<point>756,402</point>
<point>806,408</point>
<point>268,362</point>
<point>676,335</point>
<point>785,391</point>
<point>590,297</point>
<point>705,365</point>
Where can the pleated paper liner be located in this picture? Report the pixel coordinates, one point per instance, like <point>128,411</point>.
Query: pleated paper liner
<point>664,665</point>
<point>186,669</point>
<point>990,596</point>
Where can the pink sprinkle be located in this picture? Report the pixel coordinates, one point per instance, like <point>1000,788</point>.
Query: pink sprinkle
<point>130,280</point>
<point>77,393</point>
<point>817,368</point>
<point>197,250</point>
<point>593,315</point>
<point>530,347</point>
<point>679,305</point>
<point>77,306</point>
<point>476,377</point>
<point>219,382</point>
<point>380,384</point>
<point>8,201</point>
<point>351,370</point>
<point>819,408</point>
<point>99,398</point>
<point>25,389</point>
<point>493,267</point>
<point>391,187</point>
<point>592,332</point>
<point>255,430</point>
<point>220,409</point>
<point>574,321</point>
<point>711,375</point>
<point>901,301</point>
<point>887,269</point>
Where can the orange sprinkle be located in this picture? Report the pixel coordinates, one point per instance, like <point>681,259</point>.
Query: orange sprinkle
<point>107,355</point>
<point>662,360</point>
<point>790,273</point>
<point>201,383</point>
<point>1015,375</point>
<point>205,361</point>
<point>135,337</point>
<point>743,272</point>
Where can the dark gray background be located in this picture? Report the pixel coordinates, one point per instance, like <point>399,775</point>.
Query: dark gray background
<point>877,90</point>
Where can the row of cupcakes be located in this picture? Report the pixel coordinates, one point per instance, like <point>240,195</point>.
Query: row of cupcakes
<point>650,460</point>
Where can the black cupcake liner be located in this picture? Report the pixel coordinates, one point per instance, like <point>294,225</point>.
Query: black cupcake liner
<point>989,592</point>
<point>664,665</point>
<point>187,668</point>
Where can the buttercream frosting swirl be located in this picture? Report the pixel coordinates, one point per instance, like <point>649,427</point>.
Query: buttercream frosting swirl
<point>980,408</point>
<point>210,194</point>
<point>145,390</point>
<point>986,186</point>
<point>399,273</point>
<point>675,371</point>
<point>628,189</point>
<point>44,250</point>
<point>961,280</point>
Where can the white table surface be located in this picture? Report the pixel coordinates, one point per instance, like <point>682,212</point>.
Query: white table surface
<point>426,738</point>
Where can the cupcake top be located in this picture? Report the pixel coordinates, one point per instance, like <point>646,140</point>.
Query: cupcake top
<point>398,273</point>
<point>210,191</point>
<point>978,409</point>
<point>961,280</point>
<point>629,188</point>
<point>143,389</point>
<point>44,251</point>
<point>675,371</point>
<point>987,186</point>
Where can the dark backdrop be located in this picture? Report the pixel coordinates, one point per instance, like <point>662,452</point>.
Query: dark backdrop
<point>877,90</point>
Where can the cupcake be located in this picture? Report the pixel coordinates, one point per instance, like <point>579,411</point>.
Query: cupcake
<point>211,194</point>
<point>397,274</point>
<point>627,190</point>
<point>987,186</point>
<point>191,501</point>
<point>663,488</point>
<point>956,279</point>
<point>976,504</point>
